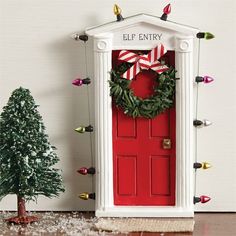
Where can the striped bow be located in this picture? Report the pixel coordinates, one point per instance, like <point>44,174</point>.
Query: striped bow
<point>143,62</point>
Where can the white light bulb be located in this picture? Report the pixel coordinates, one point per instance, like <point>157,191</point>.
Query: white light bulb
<point>207,122</point>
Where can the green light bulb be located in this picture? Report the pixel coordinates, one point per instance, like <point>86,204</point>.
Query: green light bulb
<point>208,36</point>
<point>205,35</point>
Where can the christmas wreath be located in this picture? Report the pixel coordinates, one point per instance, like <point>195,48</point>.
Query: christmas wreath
<point>124,98</point>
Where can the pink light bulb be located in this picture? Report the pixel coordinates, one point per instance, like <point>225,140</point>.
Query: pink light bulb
<point>207,79</point>
<point>204,199</point>
<point>167,9</point>
<point>77,82</point>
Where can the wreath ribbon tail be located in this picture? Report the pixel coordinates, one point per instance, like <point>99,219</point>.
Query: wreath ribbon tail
<point>156,53</point>
<point>132,72</point>
<point>159,67</point>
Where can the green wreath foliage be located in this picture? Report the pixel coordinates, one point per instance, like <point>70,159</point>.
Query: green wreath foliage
<point>124,98</point>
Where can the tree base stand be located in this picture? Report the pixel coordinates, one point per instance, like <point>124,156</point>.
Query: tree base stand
<point>22,219</point>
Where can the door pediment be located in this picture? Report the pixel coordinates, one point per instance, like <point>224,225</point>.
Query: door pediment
<point>142,32</point>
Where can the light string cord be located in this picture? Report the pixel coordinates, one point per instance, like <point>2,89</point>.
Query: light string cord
<point>196,117</point>
<point>89,111</point>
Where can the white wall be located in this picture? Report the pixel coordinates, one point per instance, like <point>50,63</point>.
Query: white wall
<point>36,52</point>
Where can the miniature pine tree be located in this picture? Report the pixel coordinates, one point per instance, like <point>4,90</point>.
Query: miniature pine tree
<point>26,155</point>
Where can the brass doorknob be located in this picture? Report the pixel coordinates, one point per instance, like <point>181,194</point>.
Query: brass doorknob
<point>166,143</point>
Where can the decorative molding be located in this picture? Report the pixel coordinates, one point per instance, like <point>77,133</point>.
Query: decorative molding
<point>184,119</point>
<point>103,121</point>
<point>103,43</point>
<point>184,44</point>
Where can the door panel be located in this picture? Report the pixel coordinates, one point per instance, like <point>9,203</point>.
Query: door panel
<point>160,126</point>
<point>126,127</point>
<point>160,170</point>
<point>127,179</point>
<point>144,172</point>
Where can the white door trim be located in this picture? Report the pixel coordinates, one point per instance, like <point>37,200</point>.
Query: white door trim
<point>184,134</point>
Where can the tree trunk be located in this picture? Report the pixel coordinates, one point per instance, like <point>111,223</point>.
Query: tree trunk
<point>21,206</point>
<point>22,217</point>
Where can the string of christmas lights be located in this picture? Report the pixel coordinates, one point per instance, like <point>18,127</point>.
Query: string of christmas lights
<point>197,123</point>
<point>200,123</point>
<point>82,129</point>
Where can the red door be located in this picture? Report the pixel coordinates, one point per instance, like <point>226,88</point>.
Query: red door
<point>144,172</point>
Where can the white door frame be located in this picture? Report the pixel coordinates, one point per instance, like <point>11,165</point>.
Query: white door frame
<point>103,45</point>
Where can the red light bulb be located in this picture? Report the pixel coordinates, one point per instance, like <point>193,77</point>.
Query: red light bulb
<point>204,199</point>
<point>167,9</point>
<point>166,12</point>
<point>83,171</point>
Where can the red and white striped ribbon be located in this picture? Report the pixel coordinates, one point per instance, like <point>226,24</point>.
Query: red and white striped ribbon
<point>144,62</point>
